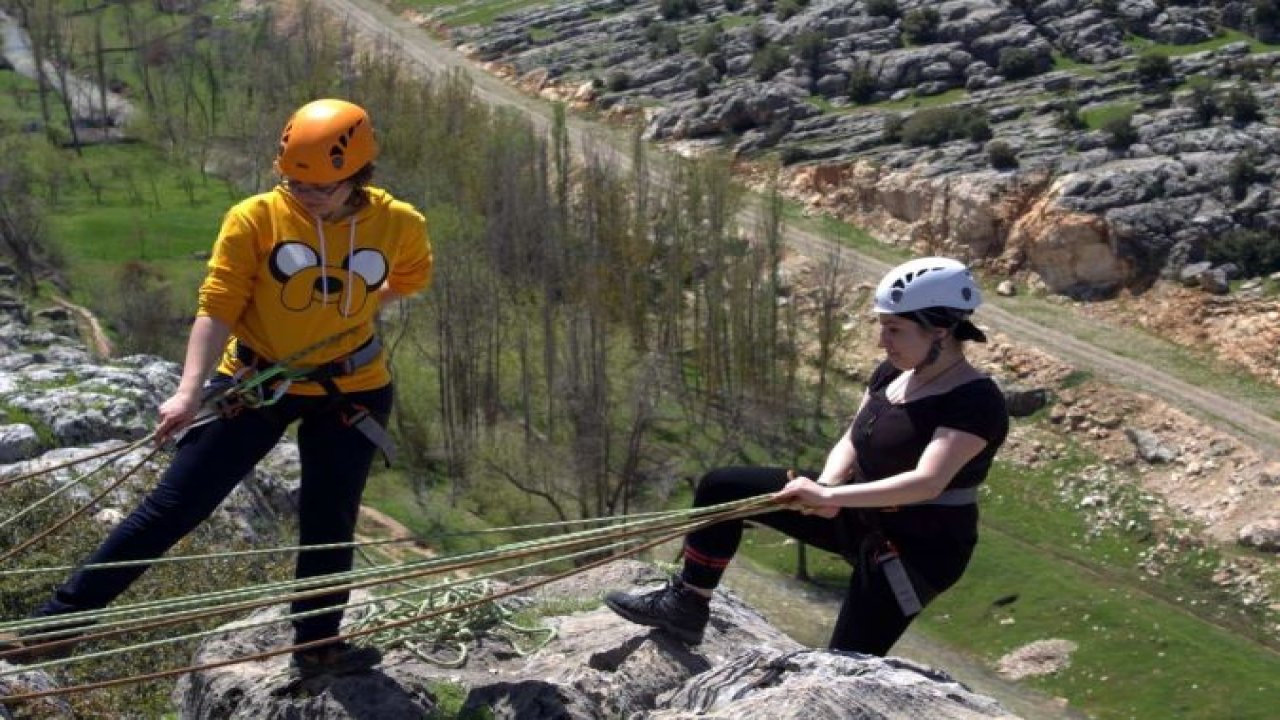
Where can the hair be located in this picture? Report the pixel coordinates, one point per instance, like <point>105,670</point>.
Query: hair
<point>361,179</point>
<point>952,319</point>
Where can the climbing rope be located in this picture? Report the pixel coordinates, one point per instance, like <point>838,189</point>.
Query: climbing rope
<point>752,506</point>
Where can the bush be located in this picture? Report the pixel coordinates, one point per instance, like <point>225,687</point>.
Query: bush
<point>1017,63</point>
<point>676,9</point>
<point>617,81</point>
<point>934,126</point>
<point>892,130</point>
<point>921,25</point>
<point>1069,117</point>
<point>1202,99</point>
<point>1242,173</point>
<point>1154,67</point>
<point>862,86</point>
<point>1242,105</point>
<point>769,61</point>
<point>733,6</point>
<point>709,41</point>
<point>1120,132</point>
<point>786,9</point>
<point>1001,155</point>
<point>883,8</point>
<point>1256,252</point>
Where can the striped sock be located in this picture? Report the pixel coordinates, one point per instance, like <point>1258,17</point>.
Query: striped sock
<point>702,570</point>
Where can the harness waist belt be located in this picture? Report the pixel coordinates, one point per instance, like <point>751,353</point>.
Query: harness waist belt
<point>345,365</point>
<point>956,497</point>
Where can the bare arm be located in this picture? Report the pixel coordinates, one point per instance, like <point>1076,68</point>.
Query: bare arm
<point>205,344</point>
<point>946,453</point>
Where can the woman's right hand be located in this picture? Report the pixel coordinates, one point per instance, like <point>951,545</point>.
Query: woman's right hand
<point>177,412</point>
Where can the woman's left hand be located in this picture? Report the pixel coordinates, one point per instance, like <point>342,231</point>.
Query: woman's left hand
<point>812,498</point>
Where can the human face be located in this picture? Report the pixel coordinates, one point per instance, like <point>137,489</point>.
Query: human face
<point>906,342</point>
<point>320,200</point>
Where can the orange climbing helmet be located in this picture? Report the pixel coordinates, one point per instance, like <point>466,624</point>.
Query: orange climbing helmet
<point>326,141</point>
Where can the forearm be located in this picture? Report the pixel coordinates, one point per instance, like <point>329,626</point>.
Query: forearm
<point>205,344</point>
<point>904,489</point>
<point>840,464</point>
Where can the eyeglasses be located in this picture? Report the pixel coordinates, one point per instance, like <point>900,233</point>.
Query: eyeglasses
<point>298,187</point>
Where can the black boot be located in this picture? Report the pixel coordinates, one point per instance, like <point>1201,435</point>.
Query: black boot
<point>676,609</point>
<point>340,658</point>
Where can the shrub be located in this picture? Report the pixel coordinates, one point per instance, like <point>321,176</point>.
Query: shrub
<point>1017,63</point>
<point>892,130</point>
<point>733,6</point>
<point>1202,99</point>
<point>1256,252</point>
<point>786,9</point>
<point>1120,132</point>
<point>934,126</point>
<point>883,8</point>
<point>1154,67</point>
<point>1001,155</point>
<point>676,9</point>
<point>617,81</point>
<point>709,41</point>
<point>1069,117</point>
<point>921,25</point>
<point>862,86</point>
<point>1242,105</point>
<point>1241,173</point>
<point>769,61</point>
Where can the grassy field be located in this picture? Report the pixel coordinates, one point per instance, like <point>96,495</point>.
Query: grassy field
<point>117,204</point>
<point>1141,653</point>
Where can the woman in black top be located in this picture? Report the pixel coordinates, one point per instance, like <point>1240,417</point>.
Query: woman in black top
<point>897,496</point>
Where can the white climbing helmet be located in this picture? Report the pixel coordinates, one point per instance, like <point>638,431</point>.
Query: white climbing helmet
<point>925,283</point>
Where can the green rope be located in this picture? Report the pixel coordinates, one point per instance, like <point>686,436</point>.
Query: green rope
<point>741,513</point>
<point>108,617</point>
<point>330,546</point>
<point>360,623</point>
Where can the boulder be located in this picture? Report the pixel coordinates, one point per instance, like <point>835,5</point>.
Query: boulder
<point>597,665</point>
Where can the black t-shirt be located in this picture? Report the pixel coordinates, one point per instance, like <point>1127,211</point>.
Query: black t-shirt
<point>890,439</point>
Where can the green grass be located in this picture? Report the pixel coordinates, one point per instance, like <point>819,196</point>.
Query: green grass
<point>117,204</point>
<point>1141,653</point>
<point>1224,37</point>
<point>21,104</point>
<point>1096,117</point>
<point>916,102</point>
<point>1062,62</point>
<point>482,12</point>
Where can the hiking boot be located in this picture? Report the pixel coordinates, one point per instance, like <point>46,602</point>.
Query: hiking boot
<point>340,658</point>
<point>676,609</point>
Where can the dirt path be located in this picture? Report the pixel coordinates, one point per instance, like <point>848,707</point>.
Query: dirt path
<point>90,326</point>
<point>1237,414</point>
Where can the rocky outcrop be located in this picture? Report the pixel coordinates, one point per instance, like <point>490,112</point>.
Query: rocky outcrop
<point>1120,213</point>
<point>597,665</point>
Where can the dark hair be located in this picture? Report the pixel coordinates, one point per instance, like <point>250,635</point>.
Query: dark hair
<point>955,320</point>
<point>360,179</point>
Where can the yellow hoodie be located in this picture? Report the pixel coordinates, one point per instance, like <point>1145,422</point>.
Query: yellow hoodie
<point>283,280</point>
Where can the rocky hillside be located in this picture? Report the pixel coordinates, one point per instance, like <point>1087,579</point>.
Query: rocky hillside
<point>1091,145</point>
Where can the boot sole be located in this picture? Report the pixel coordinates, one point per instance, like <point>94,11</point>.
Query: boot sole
<point>689,637</point>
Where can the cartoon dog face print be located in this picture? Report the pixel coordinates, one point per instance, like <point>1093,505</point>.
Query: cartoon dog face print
<point>305,281</point>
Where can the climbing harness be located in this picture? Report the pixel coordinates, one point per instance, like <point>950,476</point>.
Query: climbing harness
<point>268,392</point>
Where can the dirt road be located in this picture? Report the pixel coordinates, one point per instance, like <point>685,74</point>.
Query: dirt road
<point>1236,414</point>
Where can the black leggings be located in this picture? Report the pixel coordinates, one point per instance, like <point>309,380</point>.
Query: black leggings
<point>210,461</point>
<point>935,544</point>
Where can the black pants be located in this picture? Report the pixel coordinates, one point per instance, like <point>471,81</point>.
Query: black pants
<point>935,544</point>
<point>209,463</point>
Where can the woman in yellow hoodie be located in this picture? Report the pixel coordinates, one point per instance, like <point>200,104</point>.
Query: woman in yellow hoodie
<point>298,272</point>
